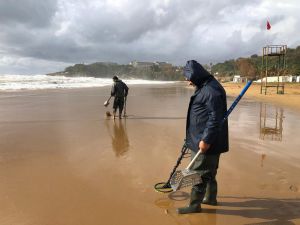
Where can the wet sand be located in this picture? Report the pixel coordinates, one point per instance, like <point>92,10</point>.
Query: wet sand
<point>62,162</point>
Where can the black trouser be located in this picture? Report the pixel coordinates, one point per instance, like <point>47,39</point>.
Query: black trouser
<point>118,104</point>
<point>207,166</point>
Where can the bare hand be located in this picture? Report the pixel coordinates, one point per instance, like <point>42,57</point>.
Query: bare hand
<point>203,146</point>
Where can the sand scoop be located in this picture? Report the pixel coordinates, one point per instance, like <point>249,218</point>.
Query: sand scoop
<point>181,178</point>
<point>187,177</point>
<point>106,103</point>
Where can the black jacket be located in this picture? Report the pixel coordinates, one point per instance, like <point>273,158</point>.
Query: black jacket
<point>119,89</point>
<point>207,108</point>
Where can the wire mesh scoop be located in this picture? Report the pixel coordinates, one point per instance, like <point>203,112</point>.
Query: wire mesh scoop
<point>106,103</point>
<point>186,177</point>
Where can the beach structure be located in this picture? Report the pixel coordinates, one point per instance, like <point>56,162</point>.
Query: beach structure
<point>141,64</point>
<point>273,64</point>
<point>271,121</point>
<point>282,79</point>
<point>163,64</point>
<point>137,64</point>
<point>239,79</point>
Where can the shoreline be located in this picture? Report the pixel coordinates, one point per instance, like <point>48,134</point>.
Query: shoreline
<point>290,99</point>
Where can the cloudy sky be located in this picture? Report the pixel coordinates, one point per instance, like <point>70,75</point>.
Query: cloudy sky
<point>42,36</point>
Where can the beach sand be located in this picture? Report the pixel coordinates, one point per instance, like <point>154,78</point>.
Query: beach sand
<point>290,99</point>
<point>62,162</point>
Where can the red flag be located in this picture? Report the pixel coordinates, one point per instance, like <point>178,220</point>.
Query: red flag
<point>268,25</point>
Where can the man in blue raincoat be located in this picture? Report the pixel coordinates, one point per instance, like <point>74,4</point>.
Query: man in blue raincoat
<point>205,133</point>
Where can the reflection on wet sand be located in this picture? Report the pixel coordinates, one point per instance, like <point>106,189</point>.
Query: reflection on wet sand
<point>263,156</point>
<point>168,204</point>
<point>271,120</point>
<point>119,138</point>
<point>276,211</point>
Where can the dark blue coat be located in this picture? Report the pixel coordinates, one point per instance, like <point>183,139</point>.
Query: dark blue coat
<point>119,89</point>
<point>207,108</point>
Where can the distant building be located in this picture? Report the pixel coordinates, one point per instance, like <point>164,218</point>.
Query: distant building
<point>288,79</point>
<point>163,64</point>
<point>141,64</point>
<point>239,79</point>
<point>106,63</point>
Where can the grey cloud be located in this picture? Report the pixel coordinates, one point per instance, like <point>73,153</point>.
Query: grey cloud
<point>32,13</point>
<point>72,31</point>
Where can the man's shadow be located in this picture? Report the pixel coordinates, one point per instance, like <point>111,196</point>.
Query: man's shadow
<point>277,211</point>
<point>119,138</point>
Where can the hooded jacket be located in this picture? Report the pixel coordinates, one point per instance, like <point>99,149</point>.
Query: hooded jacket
<point>119,89</point>
<point>206,111</point>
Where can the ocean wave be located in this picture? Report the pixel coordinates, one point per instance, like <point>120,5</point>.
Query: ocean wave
<point>36,82</point>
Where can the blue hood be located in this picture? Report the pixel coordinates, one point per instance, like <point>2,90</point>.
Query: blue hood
<point>194,72</point>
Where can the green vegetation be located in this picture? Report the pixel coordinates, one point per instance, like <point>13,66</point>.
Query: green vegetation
<point>108,70</point>
<point>251,67</point>
<point>248,67</point>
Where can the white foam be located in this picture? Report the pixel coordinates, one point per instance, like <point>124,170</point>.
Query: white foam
<point>35,82</point>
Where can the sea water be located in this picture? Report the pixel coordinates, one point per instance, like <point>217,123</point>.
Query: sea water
<point>36,82</point>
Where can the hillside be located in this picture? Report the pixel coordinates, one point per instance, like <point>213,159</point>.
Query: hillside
<point>248,67</point>
<point>251,67</point>
<point>108,70</point>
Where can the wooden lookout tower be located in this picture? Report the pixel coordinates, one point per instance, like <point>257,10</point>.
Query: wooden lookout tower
<point>273,67</point>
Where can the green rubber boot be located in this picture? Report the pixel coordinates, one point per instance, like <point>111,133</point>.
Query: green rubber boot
<point>210,197</point>
<point>195,203</point>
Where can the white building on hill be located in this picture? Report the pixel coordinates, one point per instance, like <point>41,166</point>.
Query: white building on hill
<point>287,79</point>
<point>239,79</point>
<point>141,64</point>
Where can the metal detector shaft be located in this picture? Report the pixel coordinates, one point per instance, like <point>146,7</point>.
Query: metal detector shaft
<point>125,106</point>
<point>236,101</point>
<point>183,152</point>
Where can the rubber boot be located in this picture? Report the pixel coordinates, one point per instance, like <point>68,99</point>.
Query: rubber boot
<point>210,197</point>
<point>195,203</point>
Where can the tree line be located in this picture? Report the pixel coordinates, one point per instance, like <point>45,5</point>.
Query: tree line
<point>108,70</point>
<point>250,67</point>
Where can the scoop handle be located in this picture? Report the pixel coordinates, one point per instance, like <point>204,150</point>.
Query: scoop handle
<point>194,159</point>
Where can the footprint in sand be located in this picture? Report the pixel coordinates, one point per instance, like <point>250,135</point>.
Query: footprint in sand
<point>282,180</point>
<point>293,188</point>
